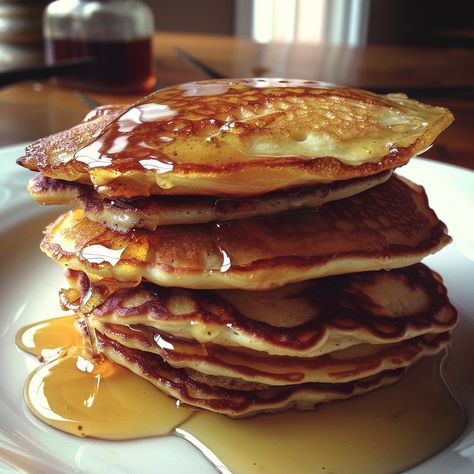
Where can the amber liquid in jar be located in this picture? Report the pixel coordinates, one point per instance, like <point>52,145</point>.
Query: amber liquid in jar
<point>119,66</point>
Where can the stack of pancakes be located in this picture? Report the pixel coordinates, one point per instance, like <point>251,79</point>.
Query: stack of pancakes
<point>244,245</point>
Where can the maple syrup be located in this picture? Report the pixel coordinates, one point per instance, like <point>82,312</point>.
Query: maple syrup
<point>388,430</point>
<point>119,66</point>
<point>115,34</point>
<point>84,395</point>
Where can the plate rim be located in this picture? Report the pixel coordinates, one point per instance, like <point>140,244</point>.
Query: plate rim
<point>10,169</point>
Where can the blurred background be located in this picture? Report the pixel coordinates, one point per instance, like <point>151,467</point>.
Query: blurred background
<point>114,51</point>
<point>354,22</point>
<point>416,22</point>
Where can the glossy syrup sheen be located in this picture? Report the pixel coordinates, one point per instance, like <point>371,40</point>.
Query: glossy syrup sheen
<point>385,431</point>
<point>238,138</point>
<point>204,122</point>
<point>86,395</point>
<point>388,226</point>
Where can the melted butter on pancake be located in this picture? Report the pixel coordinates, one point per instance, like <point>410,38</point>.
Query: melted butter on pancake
<point>386,227</point>
<point>240,138</point>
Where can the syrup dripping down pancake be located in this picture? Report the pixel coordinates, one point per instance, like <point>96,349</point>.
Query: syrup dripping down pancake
<point>239,137</point>
<point>302,320</point>
<point>253,370</point>
<point>386,227</point>
<point>236,403</point>
<point>148,213</point>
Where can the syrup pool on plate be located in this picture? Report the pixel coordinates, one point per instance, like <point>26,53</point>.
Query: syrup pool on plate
<point>87,395</point>
<point>388,430</point>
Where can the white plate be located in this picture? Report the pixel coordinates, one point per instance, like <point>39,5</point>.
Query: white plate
<point>28,292</point>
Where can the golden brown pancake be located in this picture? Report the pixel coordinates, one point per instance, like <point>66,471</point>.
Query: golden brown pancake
<point>236,403</point>
<point>58,147</point>
<point>148,213</point>
<point>239,137</point>
<point>386,227</point>
<point>229,366</point>
<point>307,319</point>
<point>200,192</point>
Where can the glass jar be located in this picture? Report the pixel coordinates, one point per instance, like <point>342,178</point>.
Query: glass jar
<point>21,38</point>
<point>115,34</point>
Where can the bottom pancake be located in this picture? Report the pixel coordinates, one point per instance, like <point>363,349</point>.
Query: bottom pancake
<point>235,403</point>
<point>245,369</point>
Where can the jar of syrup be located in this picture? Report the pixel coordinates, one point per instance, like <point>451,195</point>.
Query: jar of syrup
<point>116,35</point>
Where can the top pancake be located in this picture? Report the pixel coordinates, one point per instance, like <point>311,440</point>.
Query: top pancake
<point>239,138</point>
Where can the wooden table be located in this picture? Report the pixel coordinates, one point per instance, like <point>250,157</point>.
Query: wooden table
<point>436,76</point>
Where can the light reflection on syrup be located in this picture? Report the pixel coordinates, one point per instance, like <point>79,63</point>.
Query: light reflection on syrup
<point>156,165</point>
<point>388,430</point>
<point>118,145</point>
<point>86,395</point>
<point>100,254</point>
<point>226,262</point>
<point>142,113</point>
<point>92,156</point>
<point>279,82</point>
<point>194,89</point>
<point>100,153</point>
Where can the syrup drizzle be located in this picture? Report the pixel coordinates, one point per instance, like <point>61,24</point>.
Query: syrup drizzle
<point>388,430</point>
<point>189,131</point>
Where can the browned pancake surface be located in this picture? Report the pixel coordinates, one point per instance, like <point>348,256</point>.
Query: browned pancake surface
<point>238,138</point>
<point>306,319</point>
<point>123,215</point>
<point>385,227</point>
<point>247,369</point>
<point>236,403</point>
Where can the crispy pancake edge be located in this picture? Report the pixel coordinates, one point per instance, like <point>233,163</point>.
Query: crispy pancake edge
<point>212,318</point>
<point>332,367</point>
<point>154,211</point>
<point>234,403</point>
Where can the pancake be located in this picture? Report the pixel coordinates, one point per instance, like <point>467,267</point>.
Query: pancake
<point>235,403</point>
<point>307,319</point>
<point>239,137</point>
<point>228,367</point>
<point>386,227</point>
<point>148,213</point>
